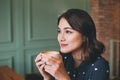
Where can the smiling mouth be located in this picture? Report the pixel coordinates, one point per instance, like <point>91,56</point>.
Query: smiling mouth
<point>63,45</point>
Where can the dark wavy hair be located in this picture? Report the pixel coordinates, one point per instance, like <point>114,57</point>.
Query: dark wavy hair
<point>82,22</point>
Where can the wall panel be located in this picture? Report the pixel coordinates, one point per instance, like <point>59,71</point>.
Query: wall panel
<point>9,44</point>
<point>5,21</point>
<point>9,58</point>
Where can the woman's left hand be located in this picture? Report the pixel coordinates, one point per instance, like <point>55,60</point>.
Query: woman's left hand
<point>56,68</point>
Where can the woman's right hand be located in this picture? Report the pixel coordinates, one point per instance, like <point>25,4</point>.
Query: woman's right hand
<point>40,65</point>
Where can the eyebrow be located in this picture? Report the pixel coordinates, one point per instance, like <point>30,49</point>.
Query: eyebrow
<point>66,28</point>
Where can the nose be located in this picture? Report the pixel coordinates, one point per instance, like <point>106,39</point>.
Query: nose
<point>61,37</point>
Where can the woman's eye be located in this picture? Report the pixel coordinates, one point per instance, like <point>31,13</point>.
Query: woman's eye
<point>68,32</point>
<point>58,31</point>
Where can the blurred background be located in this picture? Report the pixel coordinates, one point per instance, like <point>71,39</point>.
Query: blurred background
<point>28,27</point>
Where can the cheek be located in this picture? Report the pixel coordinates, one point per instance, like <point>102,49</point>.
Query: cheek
<point>76,42</point>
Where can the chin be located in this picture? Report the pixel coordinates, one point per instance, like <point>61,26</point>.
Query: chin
<point>65,51</point>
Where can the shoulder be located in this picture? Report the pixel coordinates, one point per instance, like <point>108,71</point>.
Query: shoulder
<point>100,65</point>
<point>99,68</point>
<point>100,62</point>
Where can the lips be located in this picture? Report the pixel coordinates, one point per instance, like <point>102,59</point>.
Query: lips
<point>63,45</point>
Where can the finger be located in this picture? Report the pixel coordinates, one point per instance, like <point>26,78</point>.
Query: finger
<point>38,64</point>
<point>38,58</point>
<point>41,69</point>
<point>48,68</point>
<point>53,60</point>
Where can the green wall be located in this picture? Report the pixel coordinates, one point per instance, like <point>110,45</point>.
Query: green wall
<point>28,27</point>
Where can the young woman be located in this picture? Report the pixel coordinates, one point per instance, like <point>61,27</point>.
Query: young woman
<point>80,51</point>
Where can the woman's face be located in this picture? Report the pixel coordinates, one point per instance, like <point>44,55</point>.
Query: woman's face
<point>69,39</point>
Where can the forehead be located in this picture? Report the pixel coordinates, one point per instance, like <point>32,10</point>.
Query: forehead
<point>64,24</point>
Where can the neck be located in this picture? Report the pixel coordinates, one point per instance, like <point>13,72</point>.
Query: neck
<point>77,58</point>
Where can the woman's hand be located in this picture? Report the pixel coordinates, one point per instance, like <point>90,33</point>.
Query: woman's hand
<point>40,65</point>
<point>56,68</point>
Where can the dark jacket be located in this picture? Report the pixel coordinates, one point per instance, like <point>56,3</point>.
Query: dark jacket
<point>95,70</point>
